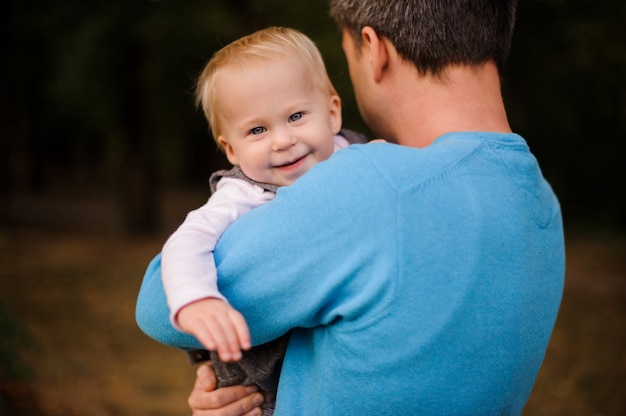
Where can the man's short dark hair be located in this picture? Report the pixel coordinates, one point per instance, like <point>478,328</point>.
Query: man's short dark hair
<point>435,33</point>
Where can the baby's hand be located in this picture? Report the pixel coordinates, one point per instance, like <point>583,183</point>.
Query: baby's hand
<point>217,325</point>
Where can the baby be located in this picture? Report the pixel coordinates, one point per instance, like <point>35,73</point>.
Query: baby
<point>273,110</point>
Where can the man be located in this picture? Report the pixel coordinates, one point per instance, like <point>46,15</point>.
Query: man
<point>420,276</point>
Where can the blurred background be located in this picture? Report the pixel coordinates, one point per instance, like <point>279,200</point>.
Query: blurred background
<point>102,153</point>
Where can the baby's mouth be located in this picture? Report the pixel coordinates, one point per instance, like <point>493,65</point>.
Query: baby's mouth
<point>294,164</point>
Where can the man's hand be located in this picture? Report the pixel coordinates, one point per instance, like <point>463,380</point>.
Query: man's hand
<point>205,400</point>
<point>218,326</point>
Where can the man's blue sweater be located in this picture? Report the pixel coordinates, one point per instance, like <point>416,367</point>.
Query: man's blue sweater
<point>414,281</point>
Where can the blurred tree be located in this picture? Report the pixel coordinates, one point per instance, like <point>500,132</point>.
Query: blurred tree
<point>102,91</point>
<point>566,91</point>
<point>98,96</point>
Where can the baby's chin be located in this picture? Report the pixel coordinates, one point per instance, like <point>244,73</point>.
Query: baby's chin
<point>290,181</point>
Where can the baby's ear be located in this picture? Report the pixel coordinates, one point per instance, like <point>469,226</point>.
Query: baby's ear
<point>228,150</point>
<point>335,113</point>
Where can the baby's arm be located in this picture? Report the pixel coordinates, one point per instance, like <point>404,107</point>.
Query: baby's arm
<point>190,276</point>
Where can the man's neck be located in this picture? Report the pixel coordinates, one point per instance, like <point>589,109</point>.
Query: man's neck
<point>464,99</point>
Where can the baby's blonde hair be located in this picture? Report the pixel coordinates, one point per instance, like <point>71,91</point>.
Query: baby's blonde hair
<point>270,44</point>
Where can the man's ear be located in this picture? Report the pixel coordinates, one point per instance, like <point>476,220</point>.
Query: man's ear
<point>335,113</point>
<point>375,46</point>
<point>228,149</point>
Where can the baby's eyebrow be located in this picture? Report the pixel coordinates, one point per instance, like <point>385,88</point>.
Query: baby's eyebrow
<point>250,123</point>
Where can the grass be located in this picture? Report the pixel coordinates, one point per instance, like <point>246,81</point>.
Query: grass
<point>70,346</point>
<point>73,295</point>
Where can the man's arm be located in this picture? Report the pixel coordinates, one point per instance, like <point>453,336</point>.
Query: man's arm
<point>233,198</point>
<point>304,258</point>
<point>188,268</point>
<point>152,313</point>
<point>291,259</point>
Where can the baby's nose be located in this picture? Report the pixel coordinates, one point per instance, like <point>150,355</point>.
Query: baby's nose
<point>283,140</point>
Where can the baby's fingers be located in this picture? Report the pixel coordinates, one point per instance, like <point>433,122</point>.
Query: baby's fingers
<point>241,330</point>
<point>204,334</point>
<point>229,345</point>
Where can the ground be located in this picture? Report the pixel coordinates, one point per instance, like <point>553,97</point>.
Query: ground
<point>70,346</point>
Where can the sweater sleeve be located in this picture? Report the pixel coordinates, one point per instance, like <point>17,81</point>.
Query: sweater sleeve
<point>188,266</point>
<point>271,265</point>
<point>286,260</point>
<point>292,260</point>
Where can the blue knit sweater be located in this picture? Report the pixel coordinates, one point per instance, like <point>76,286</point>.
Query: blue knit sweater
<point>415,281</point>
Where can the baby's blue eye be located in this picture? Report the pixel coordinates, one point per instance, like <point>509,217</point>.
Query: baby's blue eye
<point>296,116</point>
<point>257,130</point>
